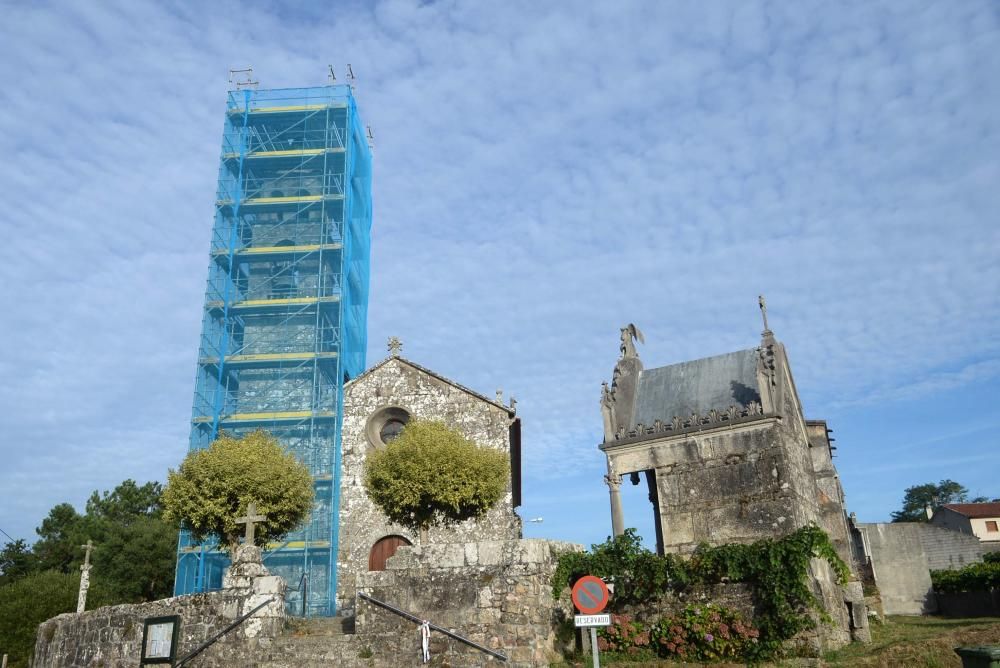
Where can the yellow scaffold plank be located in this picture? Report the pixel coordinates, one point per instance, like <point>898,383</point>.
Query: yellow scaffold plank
<point>255,304</point>
<point>273,416</point>
<point>279,357</point>
<point>294,199</point>
<point>290,153</point>
<point>282,200</point>
<point>290,301</point>
<point>264,358</point>
<point>261,251</point>
<point>299,545</point>
<point>288,109</point>
<point>293,545</point>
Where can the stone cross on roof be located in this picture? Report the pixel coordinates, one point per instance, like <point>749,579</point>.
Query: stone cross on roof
<point>763,311</point>
<point>250,520</point>
<point>395,346</point>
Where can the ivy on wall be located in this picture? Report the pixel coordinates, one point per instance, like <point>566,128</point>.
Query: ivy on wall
<point>776,569</point>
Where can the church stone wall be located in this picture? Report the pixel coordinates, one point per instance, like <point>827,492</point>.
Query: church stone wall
<point>495,593</point>
<point>396,383</point>
<point>111,637</point>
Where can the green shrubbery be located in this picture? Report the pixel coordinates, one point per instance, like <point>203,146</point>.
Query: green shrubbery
<point>974,577</point>
<point>214,486</point>
<point>432,475</point>
<point>776,569</point>
<point>697,633</point>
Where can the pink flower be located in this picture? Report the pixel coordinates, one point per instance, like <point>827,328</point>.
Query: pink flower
<point>709,637</point>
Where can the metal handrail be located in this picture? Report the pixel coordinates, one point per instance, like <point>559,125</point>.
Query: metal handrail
<point>418,620</point>
<point>214,639</point>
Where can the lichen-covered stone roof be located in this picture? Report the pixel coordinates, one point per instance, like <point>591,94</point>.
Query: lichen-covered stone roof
<point>697,386</point>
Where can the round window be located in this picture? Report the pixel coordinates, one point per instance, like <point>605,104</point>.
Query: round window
<point>390,430</point>
<point>385,425</point>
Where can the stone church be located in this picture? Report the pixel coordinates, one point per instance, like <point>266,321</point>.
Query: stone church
<point>377,404</point>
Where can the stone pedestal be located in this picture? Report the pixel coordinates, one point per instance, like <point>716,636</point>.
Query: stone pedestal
<point>248,576</point>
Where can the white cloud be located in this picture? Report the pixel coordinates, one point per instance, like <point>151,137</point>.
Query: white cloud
<point>544,174</point>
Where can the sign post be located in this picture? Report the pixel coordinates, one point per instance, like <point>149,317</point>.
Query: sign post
<point>590,596</point>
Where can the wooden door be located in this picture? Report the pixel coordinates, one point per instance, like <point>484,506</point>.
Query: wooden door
<point>382,550</point>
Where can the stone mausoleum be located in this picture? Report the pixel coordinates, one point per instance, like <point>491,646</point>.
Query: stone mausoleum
<point>727,456</point>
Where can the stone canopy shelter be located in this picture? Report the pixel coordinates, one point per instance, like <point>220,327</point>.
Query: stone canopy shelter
<point>377,404</point>
<point>727,456</point>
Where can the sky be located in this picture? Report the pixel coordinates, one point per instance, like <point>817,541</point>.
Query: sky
<point>545,173</point>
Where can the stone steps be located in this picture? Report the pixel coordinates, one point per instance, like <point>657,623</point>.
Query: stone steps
<point>320,626</point>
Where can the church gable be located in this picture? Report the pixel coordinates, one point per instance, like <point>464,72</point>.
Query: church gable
<point>377,404</point>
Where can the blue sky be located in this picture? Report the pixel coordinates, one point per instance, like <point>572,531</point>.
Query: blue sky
<point>545,173</point>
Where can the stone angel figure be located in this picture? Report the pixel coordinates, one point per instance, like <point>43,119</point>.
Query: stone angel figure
<point>629,335</point>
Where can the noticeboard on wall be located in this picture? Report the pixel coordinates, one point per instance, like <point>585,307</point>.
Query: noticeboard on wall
<point>159,640</point>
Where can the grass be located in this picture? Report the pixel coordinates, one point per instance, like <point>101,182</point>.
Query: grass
<point>900,642</point>
<point>920,642</point>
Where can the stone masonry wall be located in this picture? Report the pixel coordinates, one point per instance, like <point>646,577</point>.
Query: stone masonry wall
<point>496,593</point>
<point>900,567</point>
<point>111,637</point>
<point>397,383</point>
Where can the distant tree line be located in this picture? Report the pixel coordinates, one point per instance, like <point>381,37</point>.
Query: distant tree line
<point>918,498</point>
<point>133,561</point>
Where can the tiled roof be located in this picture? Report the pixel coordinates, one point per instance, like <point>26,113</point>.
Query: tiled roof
<point>976,510</point>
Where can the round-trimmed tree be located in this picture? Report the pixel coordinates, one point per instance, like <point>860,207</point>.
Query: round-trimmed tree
<point>432,475</point>
<point>215,486</point>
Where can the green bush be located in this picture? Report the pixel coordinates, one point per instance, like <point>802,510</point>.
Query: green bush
<point>214,486</point>
<point>974,577</point>
<point>705,633</point>
<point>776,569</point>
<point>33,599</point>
<point>624,635</point>
<point>431,474</point>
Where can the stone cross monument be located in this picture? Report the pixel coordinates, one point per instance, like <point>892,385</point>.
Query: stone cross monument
<point>250,520</point>
<point>81,599</point>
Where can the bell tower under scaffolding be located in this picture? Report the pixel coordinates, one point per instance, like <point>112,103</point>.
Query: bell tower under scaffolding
<point>285,318</point>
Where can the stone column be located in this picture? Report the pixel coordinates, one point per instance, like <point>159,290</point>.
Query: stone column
<point>614,482</point>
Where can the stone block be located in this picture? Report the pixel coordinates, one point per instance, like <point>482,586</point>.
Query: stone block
<point>490,553</point>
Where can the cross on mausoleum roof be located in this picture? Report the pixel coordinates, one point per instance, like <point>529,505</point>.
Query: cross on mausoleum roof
<point>250,520</point>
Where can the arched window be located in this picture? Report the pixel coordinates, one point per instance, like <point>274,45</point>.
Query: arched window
<point>383,549</point>
<point>284,277</point>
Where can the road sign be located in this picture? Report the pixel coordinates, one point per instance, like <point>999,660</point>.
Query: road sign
<point>592,620</point>
<point>590,594</point>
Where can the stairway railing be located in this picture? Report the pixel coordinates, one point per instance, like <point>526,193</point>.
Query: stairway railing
<point>218,636</point>
<point>417,620</point>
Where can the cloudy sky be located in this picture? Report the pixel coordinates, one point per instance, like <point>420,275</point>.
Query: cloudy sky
<point>545,173</point>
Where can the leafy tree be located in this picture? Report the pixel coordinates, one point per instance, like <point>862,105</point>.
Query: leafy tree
<point>215,486</point>
<point>126,503</point>
<point>60,536</point>
<point>917,498</point>
<point>33,599</point>
<point>16,561</point>
<point>431,474</point>
<point>136,561</point>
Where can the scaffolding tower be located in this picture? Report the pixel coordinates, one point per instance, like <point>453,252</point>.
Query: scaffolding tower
<point>285,318</point>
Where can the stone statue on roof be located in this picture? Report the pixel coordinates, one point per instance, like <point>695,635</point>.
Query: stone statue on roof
<point>629,335</point>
